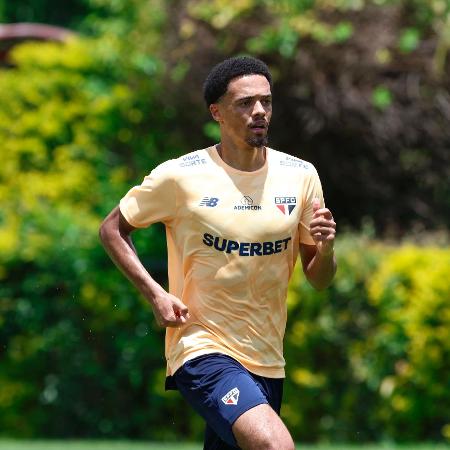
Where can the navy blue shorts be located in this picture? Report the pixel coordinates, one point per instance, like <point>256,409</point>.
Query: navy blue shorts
<point>220,389</point>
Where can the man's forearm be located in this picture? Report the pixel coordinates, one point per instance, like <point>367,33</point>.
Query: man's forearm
<point>169,311</point>
<point>321,270</point>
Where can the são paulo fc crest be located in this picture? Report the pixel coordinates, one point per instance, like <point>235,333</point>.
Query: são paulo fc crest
<point>286,204</point>
<point>231,397</point>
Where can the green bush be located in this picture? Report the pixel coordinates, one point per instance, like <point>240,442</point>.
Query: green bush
<point>368,358</point>
<point>79,350</point>
<point>326,394</point>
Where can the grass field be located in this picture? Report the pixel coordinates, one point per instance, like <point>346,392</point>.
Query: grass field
<point>127,445</point>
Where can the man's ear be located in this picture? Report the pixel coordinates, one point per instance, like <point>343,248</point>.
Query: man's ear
<point>215,112</point>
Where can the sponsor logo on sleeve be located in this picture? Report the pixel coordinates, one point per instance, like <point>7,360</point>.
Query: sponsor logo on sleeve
<point>231,397</point>
<point>192,160</point>
<point>286,204</point>
<point>292,161</point>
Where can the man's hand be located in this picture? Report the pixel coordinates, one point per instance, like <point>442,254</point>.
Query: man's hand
<point>322,228</point>
<point>169,311</point>
<point>319,263</point>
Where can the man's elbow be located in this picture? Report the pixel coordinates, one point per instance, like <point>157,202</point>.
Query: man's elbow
<point>104,231</point>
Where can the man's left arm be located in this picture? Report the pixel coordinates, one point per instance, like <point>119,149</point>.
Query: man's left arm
<point>318,260</point>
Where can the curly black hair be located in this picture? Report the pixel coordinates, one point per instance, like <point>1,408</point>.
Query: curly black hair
<point>216,83</point>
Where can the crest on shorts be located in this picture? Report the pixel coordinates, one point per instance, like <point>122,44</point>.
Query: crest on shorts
<point>231,397</point>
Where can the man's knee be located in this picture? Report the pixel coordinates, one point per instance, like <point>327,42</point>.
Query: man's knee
<point>277,442</point>
<point>271,442</point>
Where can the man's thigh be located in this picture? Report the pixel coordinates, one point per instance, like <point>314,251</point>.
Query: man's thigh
<point>261,428</point>
<point>221,390</point>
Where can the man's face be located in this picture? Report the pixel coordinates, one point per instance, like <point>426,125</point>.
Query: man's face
<point>244,111</point>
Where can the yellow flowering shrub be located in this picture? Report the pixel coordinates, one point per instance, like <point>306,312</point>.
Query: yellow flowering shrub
<point>411,291</point>
<point>52,121</point>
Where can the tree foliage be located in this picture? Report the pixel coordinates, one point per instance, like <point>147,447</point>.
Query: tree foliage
<point>45,11</point>
<point>361,85</point>
<point>361,91</point>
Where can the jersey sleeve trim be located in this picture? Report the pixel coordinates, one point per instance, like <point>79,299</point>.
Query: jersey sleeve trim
<point>126,216</point>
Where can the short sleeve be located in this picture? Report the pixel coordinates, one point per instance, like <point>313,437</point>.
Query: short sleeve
<point>312,189</point>
<point>153,201</point>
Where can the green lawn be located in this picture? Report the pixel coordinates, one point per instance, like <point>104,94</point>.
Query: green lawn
<point>127,445</point>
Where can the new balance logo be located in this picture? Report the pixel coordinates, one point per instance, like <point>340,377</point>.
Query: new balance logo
<point>232,397</point>
<point>209,201</point>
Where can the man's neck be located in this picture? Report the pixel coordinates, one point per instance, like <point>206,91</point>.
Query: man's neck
<point>247,159</point>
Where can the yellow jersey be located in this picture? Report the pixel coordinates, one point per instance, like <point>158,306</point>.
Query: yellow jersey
<point>233,239</point>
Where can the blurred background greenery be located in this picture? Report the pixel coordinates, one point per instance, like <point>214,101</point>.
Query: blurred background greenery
<point>361,90</point>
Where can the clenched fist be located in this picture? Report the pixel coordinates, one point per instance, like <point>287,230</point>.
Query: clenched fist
<point>322,228</point>
<point>169,311</point>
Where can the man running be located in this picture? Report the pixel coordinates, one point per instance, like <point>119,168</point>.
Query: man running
<point>237,214</point>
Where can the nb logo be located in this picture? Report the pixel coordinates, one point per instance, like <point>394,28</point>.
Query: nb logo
<point>209,201</point>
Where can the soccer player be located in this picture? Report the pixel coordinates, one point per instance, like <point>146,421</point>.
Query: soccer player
<point>237,214</point>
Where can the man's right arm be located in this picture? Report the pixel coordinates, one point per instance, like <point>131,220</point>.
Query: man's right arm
<point>115,235</point>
